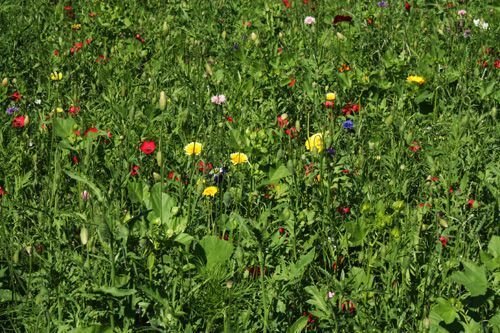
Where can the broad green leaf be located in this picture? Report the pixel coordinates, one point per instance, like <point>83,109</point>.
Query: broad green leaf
<point>473,278</point>
<point>494,246</point>
<point>298,326</point>
<point>443,311</point>
<point>95,190</point>
<point>217,251</point>
<point>494,322</point>
<point>276,174</point>
<point>63,127</point>
<point>472,326</point>
<point>113,291</point>
<point>184,239</point>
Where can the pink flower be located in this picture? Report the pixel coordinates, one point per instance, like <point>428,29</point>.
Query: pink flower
<point>85,195</point>
<point>218,99</point>
<point>309,20</point>
<point>462,12</point>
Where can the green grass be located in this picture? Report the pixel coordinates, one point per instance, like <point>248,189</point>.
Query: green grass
<point>393,229</point>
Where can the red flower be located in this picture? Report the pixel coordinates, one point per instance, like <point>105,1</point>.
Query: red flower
<point>349,109</point>
<point>148,147</point>
<point>444,241</point>
<point>204,167</point>
<point>346,171</point>
<point>287,3</point>
<point>280,50</point>
<point>20,121</point>
<point>134,171</point>
<point>2,192</point>
<point>344,210</point>
<point>407,6</point>
<point>414,147</point>
<point>369,21</point>
<point>73,110</point>
<point>68,8</point>
<point>90,130</point>
<point>75,160</point>
<point>230,119</point>
<point>282,122</point>
<point>497,64</point>
<point>291,132</point>
<point>292,83</point>
<point>329,104</point>
<point>281,230</point>
<point>139,38</point>
<point>88,41</point>
<point>342,18</point>
<point>56,53</point>
<point>16,96</point>
<point>472,204</point>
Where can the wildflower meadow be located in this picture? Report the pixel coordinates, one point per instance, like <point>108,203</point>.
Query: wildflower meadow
<point>249,166</point>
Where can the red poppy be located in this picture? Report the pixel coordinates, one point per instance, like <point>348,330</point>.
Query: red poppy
<point>88,41</point>
<point>349,109</point>
<point>75,159</point>
<point>329,104</point>
<point>471,203</point>
<point>20,121</point>
<point>287,3</point>
<point>292,83</point>
<point>76,132</point>
<point>56,53</point>
<point>2,192</point>
<point>345,171</point>
<point>90,130</point>
<point>291,132</point>
<point>281,230</point>
<point>230,119</point>
<point>407,6</point>
<point>139,38</point>
<point>134,171</point>
<point>16,96</point>
<point>148,147</point>
<point>73,110</point>
<point>414,147</point>
<point>344,210</point>
<point>204,167</point>
<point>282,122</point>
<point>342,18</point>
<point>444,241</point>
<point>68,8</point>
<point>497,64</point>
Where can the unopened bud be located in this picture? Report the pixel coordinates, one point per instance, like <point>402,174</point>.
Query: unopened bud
<point>163,100</point>
<point>253,36</point>
<point>84,235</point>
<point>224,34</point>
<point>5,82</point>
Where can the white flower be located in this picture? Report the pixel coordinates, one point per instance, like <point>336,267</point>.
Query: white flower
<point>38,101</point>
<point>481,24</point>
<point>309,20</point>
<point>218,99</point>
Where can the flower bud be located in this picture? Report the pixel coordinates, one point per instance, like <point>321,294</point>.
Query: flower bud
<point>5,82</point>
<point>84,235</point>
<point>224,34</point>
<point>158,158</point>
<point>156,176</point>
<point>253,36</point>
<point>340,36</point>
<point>163,100</point>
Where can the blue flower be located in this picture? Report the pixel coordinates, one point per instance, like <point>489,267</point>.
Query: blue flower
<point>331,151</point>
<point>10,111</point>
<point>218,174</point>
<point>382,4</point>
<point>348,125</point>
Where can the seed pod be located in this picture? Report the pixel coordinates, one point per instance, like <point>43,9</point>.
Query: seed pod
<point>84,235</point>
<point>163,100</point>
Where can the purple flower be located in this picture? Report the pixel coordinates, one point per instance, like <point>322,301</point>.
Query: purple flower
<point>10,111</point>
<point>348,125</point>
<point>218,174</point>
<point>331,151</point>
<point>383,4</point>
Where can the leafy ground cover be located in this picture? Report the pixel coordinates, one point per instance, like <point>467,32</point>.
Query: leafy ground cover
<point>253,166</point>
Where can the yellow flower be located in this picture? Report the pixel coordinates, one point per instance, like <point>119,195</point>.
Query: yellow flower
<point>56,76</point>
<point>210,191</point>
<point>415,79</point>
<point>238,158</point>
<point>331,96</point>
<point>76,26</point>
<point>193,148</point>
<point>315,143</point>
<point>59,110</point>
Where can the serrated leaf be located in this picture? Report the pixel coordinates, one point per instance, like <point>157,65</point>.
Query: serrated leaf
<point>473,278</point>
<point>318,301</point>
